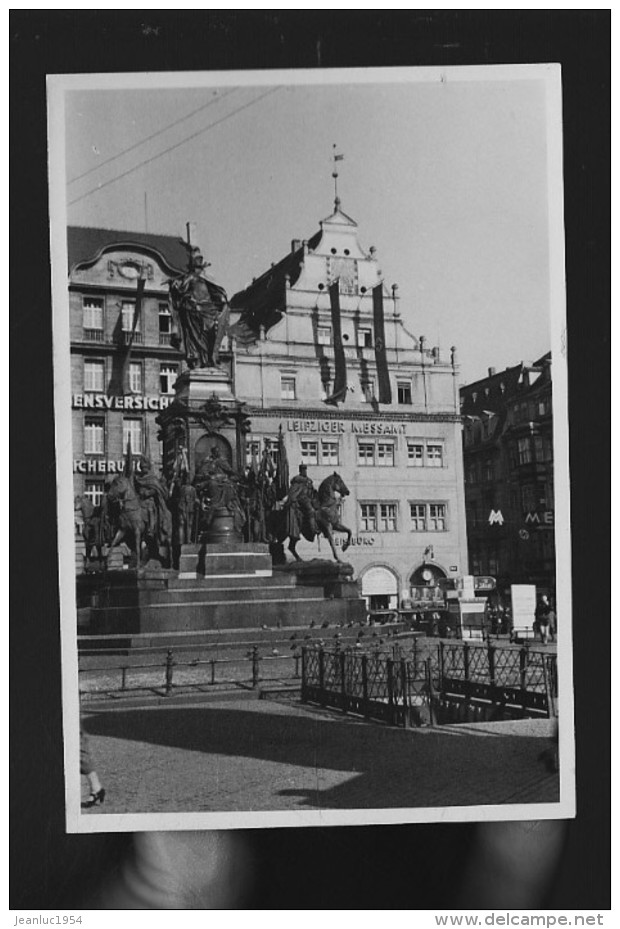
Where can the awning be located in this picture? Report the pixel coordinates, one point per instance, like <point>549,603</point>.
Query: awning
<point>379,581</point>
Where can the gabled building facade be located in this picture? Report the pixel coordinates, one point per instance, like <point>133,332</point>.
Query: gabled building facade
<point>509,485</point>
<point>321,350</point>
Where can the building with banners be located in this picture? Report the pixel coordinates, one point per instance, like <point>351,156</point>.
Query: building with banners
<point>123,362</point>
<point>509,486</point>
<point>321,350</point>
<point>318,348</point>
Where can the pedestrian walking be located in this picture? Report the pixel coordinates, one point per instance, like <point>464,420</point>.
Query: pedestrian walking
<point>541,621</point>
<point>87,768</point>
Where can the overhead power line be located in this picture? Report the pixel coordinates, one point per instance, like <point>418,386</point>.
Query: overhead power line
<point>171,148</point>
<point>154,135</point>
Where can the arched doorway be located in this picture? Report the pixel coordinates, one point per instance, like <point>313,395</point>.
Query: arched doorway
<point>380,588</point>
<point>206,442</point>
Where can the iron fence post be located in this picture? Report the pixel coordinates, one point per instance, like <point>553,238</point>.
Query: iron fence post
<point>213,670</point>
<point>169,666</point>
<point>491,659</point>
<point>322,675</point>
<point>304,675</point>
<point>523,658</point>
<point>255,666</point>
<point>390,688</point>
<point>343,680</point>
<point>406,697</point>
<point>431,693</point>
<point>440,674</point>
<point>123,677</point>
<point>365,685</point>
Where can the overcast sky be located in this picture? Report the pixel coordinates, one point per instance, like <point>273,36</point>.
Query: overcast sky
<point>446,178</point>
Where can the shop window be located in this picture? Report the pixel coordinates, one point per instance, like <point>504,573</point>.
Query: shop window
<point>94,376</point>
<point>94,436</point>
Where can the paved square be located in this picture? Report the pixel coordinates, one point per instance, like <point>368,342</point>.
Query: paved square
<point>261,755</point>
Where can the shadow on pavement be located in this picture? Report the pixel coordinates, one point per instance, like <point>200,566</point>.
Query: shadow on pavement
<point>388,767</point>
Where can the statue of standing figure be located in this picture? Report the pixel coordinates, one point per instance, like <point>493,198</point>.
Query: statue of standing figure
<point>201,307</point>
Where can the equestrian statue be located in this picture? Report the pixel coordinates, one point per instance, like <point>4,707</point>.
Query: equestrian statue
<point>310,513</point>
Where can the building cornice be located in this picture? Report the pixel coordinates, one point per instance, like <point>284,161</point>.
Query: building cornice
<point>353,415</point>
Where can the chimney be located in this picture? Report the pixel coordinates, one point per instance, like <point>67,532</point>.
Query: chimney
<point>491,372</point>
<point>295,245</point>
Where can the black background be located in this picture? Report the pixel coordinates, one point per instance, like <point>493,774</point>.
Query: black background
<point>381,867</point>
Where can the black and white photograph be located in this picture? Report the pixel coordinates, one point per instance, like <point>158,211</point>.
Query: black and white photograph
<point>312,434</point>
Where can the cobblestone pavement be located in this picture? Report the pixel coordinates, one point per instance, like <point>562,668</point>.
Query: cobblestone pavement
<point>260,755</point>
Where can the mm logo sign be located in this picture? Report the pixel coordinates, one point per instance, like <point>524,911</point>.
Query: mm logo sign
<point>496,518</point>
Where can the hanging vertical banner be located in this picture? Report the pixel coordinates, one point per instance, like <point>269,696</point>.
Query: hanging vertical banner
<point>383,374</point>
<point>131,336</point>
<point>339,392</point>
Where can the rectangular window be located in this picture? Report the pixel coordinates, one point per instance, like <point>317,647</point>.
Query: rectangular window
<point>309,451</point>
<point>387,517</point>
<point>132,433</point>
<point>415,455</point>
<point>252,452</point>
<point>368,512</point>
<point>135,377</point>
<point>529,498</point>
<point>128,312</point>
<point>92,315</point>
<point>418,517</point>
<point>167,377</point>
<point>364,338</point>
<point>385,454</point>
<point>329,452</point>
<point>404,392</point>
<point>524,449</point>
<point>437,517</point>
<point>366,454</point>
<point>93,491</point>
<point>93,436</point>
<point>287,387</point>
<point>368,390</point>
<point>471,474</point>
<point>94,376</point>
<point>434,456</point>
<point>487,470</point>
<point>165,324</point>
<point>324,335</point>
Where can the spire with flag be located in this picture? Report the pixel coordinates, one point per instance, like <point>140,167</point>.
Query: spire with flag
<point>337,157</point>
